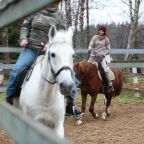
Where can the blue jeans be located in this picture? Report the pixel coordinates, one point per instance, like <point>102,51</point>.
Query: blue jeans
<point>74,88</point>
<point>26,58</point>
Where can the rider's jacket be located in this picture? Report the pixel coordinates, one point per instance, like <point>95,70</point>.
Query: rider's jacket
<point>99,45</point>
<point>35,27</point>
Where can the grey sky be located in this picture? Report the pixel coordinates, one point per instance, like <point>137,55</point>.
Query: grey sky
<point>110,11</point>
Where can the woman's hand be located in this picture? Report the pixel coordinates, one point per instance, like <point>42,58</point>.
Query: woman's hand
<point>45,47</point>
<point>23,43</point>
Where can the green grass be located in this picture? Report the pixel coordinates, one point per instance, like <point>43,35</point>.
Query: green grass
<point>124,97</point>
<point>2,96</point>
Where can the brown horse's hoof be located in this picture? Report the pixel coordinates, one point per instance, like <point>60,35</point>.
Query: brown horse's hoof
<point>96,116</point>
<point>108,113</point>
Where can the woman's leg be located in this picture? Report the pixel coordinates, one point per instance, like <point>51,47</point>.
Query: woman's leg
<point>104,65</point>
<point>26,58</point>
<point>71,108</point>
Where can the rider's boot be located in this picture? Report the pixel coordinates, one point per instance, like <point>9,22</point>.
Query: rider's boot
<point>10,100</point>
<point>72,109</point>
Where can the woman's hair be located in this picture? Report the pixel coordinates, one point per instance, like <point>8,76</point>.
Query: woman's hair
<point>103,28</point>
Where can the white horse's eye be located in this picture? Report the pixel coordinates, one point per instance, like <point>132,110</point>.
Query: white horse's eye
<point>52,55</point>
<point>73,55</point>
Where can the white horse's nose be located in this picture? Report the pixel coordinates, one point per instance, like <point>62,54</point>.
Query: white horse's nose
<point>66,88</point>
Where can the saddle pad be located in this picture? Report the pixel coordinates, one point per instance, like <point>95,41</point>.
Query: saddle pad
<point>39,59</point>
<point>110,72</point>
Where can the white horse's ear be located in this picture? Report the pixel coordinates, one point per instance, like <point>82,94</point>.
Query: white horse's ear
<point>52,32</point>
<point>70,32</point>
<point>70,35</point>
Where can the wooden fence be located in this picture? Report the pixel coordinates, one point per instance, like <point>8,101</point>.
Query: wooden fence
<point>8,64</point>
<point>23,130</point>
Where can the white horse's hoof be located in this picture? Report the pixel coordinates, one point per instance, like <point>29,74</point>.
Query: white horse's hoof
<point>104,115</point>
<point>79,122</point>
<point>97,115</point>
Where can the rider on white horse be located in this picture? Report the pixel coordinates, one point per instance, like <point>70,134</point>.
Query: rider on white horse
<point>33,32</point>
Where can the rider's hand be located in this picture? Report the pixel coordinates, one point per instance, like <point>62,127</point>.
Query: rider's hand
<point>23,43</point>
<point>45,47</point>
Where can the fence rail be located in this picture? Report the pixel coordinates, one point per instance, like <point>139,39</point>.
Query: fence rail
<point>115,51</point>
<point>17,9</point>
<point>119,64</point>
<point>24,130</point>
<point>81,50</point>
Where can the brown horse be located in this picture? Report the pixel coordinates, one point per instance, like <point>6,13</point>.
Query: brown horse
<point>91,83</point>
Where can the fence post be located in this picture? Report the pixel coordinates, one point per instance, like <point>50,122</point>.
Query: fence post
<point>135,80</point>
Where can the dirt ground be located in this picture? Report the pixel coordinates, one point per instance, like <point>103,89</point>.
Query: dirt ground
<point>124,126</point>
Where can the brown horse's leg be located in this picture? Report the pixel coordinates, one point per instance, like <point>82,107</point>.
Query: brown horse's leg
<point>84,98</point>
<point>91,108</point>
<point>107,104</point>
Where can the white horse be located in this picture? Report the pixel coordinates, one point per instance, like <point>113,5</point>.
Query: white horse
<point>42,96</point>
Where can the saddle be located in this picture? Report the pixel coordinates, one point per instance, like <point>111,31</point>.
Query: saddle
<point>24,74</point>
<point>110,72</point>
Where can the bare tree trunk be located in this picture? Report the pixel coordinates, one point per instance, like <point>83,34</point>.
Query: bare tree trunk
<point>134,16</point>
<point>132,39</point>
<point>81,17</point>
<point>81,20</point>
<point>76,23</point>
<point>5,42</point>
<point>87,11</point>
<point>68,12</point>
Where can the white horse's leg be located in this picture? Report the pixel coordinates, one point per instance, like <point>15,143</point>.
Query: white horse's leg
<point>59,129</point>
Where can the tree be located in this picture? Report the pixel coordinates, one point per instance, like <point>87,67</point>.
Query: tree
<point>134,8</point>
<point>5,41</point>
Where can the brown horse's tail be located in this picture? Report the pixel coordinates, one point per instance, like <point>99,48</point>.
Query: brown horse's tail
<point>119,78</point>
<point>103,75</point>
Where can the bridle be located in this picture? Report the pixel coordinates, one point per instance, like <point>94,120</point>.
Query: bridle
<point>55,74</point>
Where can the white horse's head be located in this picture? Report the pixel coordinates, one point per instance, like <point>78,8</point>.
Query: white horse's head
<point>60,55</point>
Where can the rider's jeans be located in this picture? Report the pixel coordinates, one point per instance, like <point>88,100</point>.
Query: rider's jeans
<point>26,58</point>
<point>74,88</point>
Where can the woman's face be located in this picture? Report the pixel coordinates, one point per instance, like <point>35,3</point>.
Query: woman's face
<point>101,32</point>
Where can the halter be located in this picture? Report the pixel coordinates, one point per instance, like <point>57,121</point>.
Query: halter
<point>55,74</point>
